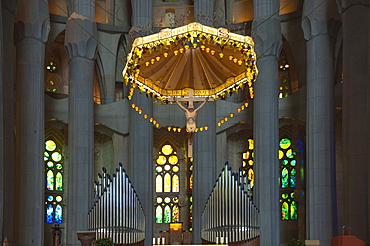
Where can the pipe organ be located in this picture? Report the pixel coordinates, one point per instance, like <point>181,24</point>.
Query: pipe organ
<point>117,212</point>
<point>229,215</point>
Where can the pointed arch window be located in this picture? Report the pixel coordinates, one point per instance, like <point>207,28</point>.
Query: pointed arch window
<point>167,185</point>
<point>288,179</point>
<point>54,182</point>
<point>247,171</point>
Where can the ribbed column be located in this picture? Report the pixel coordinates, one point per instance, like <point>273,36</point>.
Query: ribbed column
<point>81,45</point>
<point>266,32</point>
<point>32,29</point>
<point>141,161</point>
<point>204,165</point>
<point>355,114</point>
<point>2,189</point>
<point>8,96</point>
<point>320,123</point>
<point>142,13</point>
<point>203,11</point>
<point>141,130</point>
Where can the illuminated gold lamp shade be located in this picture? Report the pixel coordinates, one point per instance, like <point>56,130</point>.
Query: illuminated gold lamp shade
<point>176,226</point>
<point>192,56</point>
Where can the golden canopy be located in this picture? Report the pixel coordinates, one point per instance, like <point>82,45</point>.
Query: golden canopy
<point>213,62</point>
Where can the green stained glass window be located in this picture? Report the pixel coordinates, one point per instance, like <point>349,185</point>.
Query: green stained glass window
<point>290,153</point>
<point>293,210</point>
<point>56,156</point>
<point>293,177</point>
<point>59,181</point>
<point>284,178</point>
<point>285,143</point>
<point>159,215</point>
<point>167,214</point>
<point>284,211</point>
<point>46,156</point>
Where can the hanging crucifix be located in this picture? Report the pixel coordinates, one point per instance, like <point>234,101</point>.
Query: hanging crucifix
<point>191,115</point>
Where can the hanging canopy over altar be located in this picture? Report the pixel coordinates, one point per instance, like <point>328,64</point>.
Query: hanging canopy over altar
<point>213,62</point>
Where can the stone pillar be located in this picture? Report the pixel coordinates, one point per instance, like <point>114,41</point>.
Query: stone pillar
<point>142,13</point>
<point>355,23</point>
<point>81,45</point>
<point>2,189</point>
<point>8,101</point>
<point>267,37</point>
<point>141,161</point>
<point>203,11</point>
<point>141,130</point>
<point>32,29</point>
<point>320,122</point>
<point>204,165</point>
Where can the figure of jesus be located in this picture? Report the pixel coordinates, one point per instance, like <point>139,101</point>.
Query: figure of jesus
<point>191,115</point>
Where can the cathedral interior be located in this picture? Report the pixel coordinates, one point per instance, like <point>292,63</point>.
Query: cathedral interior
<point>295,139</point>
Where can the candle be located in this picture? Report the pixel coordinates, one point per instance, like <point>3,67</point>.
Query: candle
<point>159,240</point>
<point>163,240</point>
<point>153,240</point>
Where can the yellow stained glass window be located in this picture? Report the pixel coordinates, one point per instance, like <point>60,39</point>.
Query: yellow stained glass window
<point>167,182</point>
<point>161,160</point>
<point>173,159</point>
<point>167,149</point>
<point>158,184</point>
<point>175,183</point>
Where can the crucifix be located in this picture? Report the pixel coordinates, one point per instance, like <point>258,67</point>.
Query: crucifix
<point>191,115</point>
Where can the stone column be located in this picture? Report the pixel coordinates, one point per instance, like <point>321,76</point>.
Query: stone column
<point>2,189</point>
<point>8,101</point>
<point>141,131</point>
<point>355,23</point>
<point>32,29</point>
<point>320,122</point>
<point>203,11</point>
<point>266,32</point>
<point>142,13</point>
<point>204,165</point>
<point>81,45</point>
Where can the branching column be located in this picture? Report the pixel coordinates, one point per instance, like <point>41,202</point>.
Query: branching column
<point>141,130</point>
<point>266,32</point>
<point>320,122</point>
<point>32,29</point>
<point>355,14</point>
<point>8,95</point>
<point>81,45</point>
<point>204,168</point>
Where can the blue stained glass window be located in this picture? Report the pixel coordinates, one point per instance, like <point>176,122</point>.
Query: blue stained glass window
<point>293,179</point>
<point>54,182</point>
<point>49,214</point>
<point>58,214</point>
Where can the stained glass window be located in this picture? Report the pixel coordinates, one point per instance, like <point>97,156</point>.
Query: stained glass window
<point>247,170</point>
<point>167,185</point>
<point>284,76</point>
<point>288,179</point>
<point>53,160</point>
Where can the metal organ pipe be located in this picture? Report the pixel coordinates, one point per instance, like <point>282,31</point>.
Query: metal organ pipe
<point>117,212</point>
<point>229,213</point>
